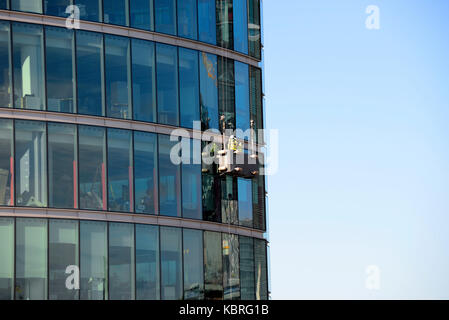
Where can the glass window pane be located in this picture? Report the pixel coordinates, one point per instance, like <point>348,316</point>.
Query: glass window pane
<point>211,193</point>
<point>56,7</point>
<point>147,263</point>
<point>118,77</point>
<point>6,163</point>
<point>213,266</point>
<point>260,257</point>
<point>240,18</point>
<point>92,168</point>
<point>206,21</point>
<point>31,164</point>
<point>145,170</point>
<point>31,259</point>
<point>167,84</point>
<point>7,260</point>
<point>89,56</point>
<point>5,66</point>
<point>231,272</point>
<point>242,109</point>
<point>254,28</point>
<point>187,19</point>
<point>191,184</point>
<point>224,24</point>
<point>120,170</point>
<point>60,69</point>
<point>93,259</point>
<point>256,111</point>
<point>121,261</point>
<point>208,91</point>
<point>28,57</point>
<point>144,80</point>
<point>193,264</point>
<point>247,281</point>
<point>169,180</point>
<point>165,15</point>
<point>229,203</point>
<point>27,5</point>
<point>142,14</point>
<point>116,12</point>
<point>63,252</point>
<point>259,202</point>
<point>62,165</point>
<point>189,87</point>
<point>171,264</point>
<point>245,196</point>
<point>226,92</point>
<point>90,10</point>
<point>3,4</point>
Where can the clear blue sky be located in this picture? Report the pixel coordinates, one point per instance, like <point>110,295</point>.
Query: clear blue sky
<point>364,155</point>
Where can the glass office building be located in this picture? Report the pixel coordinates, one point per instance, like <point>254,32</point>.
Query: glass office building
<point>92,204</point>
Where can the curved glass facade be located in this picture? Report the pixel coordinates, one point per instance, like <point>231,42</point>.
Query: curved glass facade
<point>130,221</point>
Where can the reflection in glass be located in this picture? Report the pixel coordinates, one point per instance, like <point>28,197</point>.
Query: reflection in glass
<point>188,87</point>
<point>62,165</point>
<point>213,266</point>
<point>193,264</point>
<point>27,6</point>
<point>226,92</point>
<point>142,14</point>
<point>247,281</point>
<point>63,252</point>
<point>245,196</point>
<point>187,19</point>
<point>229,204</point>
<point>208,91</point>
<point>5,66</point>
<point>116,12</point>
<point>31,259</point>
<point>56,7</point>
<point>89,57</point>
<point>90,10</point>
<point>167,84</point>
<point>191,184</point>
<point>147,263</point>
<point>165,15</point>
<point>145,169</point>
<point>7,260</point>
<point>92,167</point>
<point>258,186</point>
<point>242,110</point>
<point>28,62</point>
<point>120,170</point>
<point>171,264</point>
<point>224,23</point>
<point>31,163</point>
<point>94,260</point>
<point>231,272</point>
<point>254,28</point>
<point>3,4</point>
<point>121,261</point>
<point>6,163</point>
<point>256,111</point>
<point>60,69</point>
<point>240,18</point>
<point>144,80</point>
<point>206,21</point>
<point>118,77</point>
<point>260,260</point>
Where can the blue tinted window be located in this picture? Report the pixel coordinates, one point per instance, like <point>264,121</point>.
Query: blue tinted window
<point>226,92</point>
<point>56,7</point>
<point>191,181</point>
<point>142,14</point>
<point>144,80</point>
<point>3,4</point>
<point>27,5</point>
<point>187,19</point>
<point>242,110</point>
<point>189,87</point>
<point>7,262</point>
<point>193,264</point>
<point>118,77</point>
<point>247,281</point>
<point>115,12</point>
<point>6,162</point>
<point>89,55</point>
<point>169,180</point>
<point>213,266</point>
<point>120,170</point>
<point>224,23</point>
<point>147,263</point>
<point>5,66</point>
<point>165,13</point>
<point>254,28</point>
<point>231,267</point>
<point>208,91</point>
<point>90,10</point>
<point>245,197</point>
<point>240,26</point>
<point>145,170</point>
<point>60,69</point>
<point>171,263</point>
<point>260,261</point>
<point>167,84</point>
<point>206,21</point>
